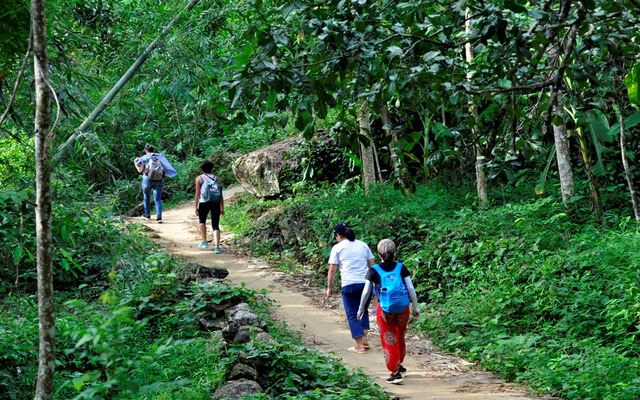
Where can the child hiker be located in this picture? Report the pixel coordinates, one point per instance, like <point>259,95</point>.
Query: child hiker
<point>395,292</point>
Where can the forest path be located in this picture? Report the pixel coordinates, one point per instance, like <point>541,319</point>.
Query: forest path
<point>322,322</point>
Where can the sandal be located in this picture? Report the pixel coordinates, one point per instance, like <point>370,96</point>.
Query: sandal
<point>357,351</point>
<point>366,346</point>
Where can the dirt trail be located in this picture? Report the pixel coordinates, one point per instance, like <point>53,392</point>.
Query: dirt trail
<point>430,375</point>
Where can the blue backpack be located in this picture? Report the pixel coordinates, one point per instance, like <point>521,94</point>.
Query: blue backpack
<point>394,297</point>
<point>210,190</point>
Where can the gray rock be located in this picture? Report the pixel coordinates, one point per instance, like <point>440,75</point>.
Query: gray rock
<point>237,389</point>
<point>237,307</point>
<point>244,334</point>
<point>264,337</point>
<point>243,371</point>
<point>211,324</point>
<point>218,308</point>
<point>203,272</point>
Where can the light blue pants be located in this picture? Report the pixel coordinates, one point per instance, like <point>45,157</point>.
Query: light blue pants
<point>147,186</point>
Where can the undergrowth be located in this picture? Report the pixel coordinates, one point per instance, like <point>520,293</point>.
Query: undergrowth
<point>128,323</point>
<point>535,291</point>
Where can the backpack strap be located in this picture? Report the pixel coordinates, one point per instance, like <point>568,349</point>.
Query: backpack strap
<point>208,178</point>
<point>398,266</point>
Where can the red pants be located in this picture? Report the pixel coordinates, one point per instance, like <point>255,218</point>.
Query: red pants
<point>392,330</point>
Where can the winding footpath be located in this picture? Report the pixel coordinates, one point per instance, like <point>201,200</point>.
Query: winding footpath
<point>430,375</point>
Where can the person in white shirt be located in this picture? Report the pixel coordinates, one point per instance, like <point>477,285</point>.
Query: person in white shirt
<point>150,185</point>
<point>354,258</point>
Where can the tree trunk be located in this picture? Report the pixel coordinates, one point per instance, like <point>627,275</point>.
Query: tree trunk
<point>46,366</point>
<point>366,147</point>
<point>625,163</point>
<point>562,151</point>
<point>398,169</point>
<point>481,176</point>
<point>62,150</point>
<point>593,182</point>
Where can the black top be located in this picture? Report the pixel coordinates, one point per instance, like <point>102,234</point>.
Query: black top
<point>374,276</point>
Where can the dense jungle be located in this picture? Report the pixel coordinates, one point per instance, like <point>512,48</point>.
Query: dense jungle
<point>494,141</point>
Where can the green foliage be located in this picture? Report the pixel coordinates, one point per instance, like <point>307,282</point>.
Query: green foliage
<point>14,33</point>
<point>540,294</point>
<point>318,162</point>
<point>300,372</point>
<point>633,84</point>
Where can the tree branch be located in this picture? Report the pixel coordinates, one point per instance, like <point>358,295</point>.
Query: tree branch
<point>15,89</point>
<point>523,88</point>
<point>64,148</point>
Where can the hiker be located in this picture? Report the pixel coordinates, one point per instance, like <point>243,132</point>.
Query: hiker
<point>209,199</point>
<point>153,167</point>
<point>395,290</point>
<point>354,259</point>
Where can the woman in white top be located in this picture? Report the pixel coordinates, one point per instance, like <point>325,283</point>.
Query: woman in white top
<point>354,258</point>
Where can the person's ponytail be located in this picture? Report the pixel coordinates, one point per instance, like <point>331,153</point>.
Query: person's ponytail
<point>387,257</point>
<point>349,235</point>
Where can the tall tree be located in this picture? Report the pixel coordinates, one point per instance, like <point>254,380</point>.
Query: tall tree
<point>367,153</point>
<point>44,251</point>
<point>562,151</point>
<point>480,157</point>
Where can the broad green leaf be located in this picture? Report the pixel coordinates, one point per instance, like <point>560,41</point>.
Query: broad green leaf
<point>271,100</point>
<point>599,125</point>
<point>394,50</point>
<point>633,83</point>
<point>630,121</point>
<point>542,181</point>
<point>514,6</point>
<point>17,255</point>
<point>64,232</point>
<point>284,120</point>
<point>539,15</point>
<point>87,337</point>
<point>244,56</point>
<point>320,109</point>
<point>504,83</point>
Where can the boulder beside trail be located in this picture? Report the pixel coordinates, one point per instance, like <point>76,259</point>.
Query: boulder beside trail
<point>259,171</point>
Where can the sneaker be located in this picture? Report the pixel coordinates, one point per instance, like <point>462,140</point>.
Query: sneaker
<point>402,369</point>
<point>146,216</point>
<point>216,250</point>
<point>203,245</point>
<point>395,378</point>
<point>159,220</point>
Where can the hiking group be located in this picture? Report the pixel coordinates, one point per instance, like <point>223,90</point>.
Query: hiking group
<point>154,167</point>
<point>359,274</point>
<point>360,277</point>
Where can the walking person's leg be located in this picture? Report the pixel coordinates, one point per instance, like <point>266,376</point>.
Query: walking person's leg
<point>203,211</point>
<point>215,225</point>
<point>365,323</point>
<point>351,299</point>
<point>401,323</point>
<point>157,198</point>
<point>390,343</point>
<point>146,197</point>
